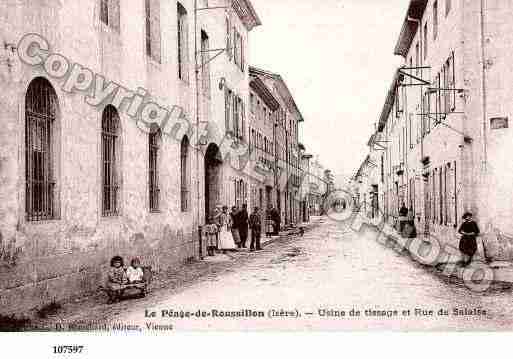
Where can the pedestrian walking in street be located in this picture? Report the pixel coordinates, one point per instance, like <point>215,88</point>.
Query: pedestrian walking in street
<point>235,224</point>
<point>403,218</point>
<point>469,231</point>
<point>255,223</point>
<point>243,225</point>
<point>226,241</point>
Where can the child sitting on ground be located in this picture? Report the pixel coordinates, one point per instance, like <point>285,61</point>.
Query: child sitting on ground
<point>134,272</point>
<point>116,278</point>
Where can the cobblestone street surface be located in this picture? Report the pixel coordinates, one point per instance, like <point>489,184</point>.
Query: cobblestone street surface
<point>310,282</point>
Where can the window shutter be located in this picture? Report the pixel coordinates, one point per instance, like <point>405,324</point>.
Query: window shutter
<point>241,53</point>
<point>235,120</point>
<point>114,15</point>
<point>452,77</point>
<point>155,30</point>
<point>235,50</point>
<point>243,119</point>
<point>228,38</point>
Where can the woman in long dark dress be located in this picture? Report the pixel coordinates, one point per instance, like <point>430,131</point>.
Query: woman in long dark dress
<point>469,230</point>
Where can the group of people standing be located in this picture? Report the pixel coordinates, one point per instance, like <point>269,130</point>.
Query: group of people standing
<point>234,227</point>
<point>468,230</point>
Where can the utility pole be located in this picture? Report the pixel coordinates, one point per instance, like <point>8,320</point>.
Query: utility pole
<point>196,116</point>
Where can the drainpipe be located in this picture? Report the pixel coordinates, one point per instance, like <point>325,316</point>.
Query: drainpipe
<point>483,86</point>
<point>196,109</point>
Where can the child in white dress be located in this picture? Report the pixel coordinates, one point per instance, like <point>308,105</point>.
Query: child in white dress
<point>135,273</point>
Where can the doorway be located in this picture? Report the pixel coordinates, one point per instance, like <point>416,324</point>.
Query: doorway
<point>213,162</point>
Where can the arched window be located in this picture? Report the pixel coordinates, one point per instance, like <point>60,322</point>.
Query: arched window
<point>153,169</point>
<point>183,57</point>
<point>184,173</point>
<point>41,107</point>
<point>110,161</point>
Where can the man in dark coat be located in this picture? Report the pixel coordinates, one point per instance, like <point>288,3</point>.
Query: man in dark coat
<point>243,225</point>
<point>255,223</point>
<point>403,218</point>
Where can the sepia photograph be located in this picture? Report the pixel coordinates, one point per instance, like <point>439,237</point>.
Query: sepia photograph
<point>258,166</point>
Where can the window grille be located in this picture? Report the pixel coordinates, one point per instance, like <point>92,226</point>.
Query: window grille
<point>184,173</point>
<point>110,139</point>
<point>40,111</point>
<point>153,153</point>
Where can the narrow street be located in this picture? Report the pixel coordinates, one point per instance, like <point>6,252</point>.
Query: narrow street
<point>330,268</point>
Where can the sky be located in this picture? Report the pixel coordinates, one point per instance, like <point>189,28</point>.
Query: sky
<point>336,57</point>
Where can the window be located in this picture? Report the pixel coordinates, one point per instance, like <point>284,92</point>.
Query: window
<point>398,102</point>
<point>426,41</point>
<point>411,71</point>
<point>435,19</point>
<point>183,38</point>
<point>241,47</point>
<point>235,47</point>
<point>229,50</point>
<point>252,103</point>
<point>447,7</point>
<point>455,195</point>
<point>153,173</point>
<point>435,212</point>
<point>152,10</point>
<point>449,80</point>
<point>426,110</point>
<point>382,168</point>
<point>205,66</point>
<point>228,108</point>
<point>235,116</point>
<point>253,140</point>
<point>437,100</point>
<point>417,58</point>
<point>109,13</point>
<point>184,173</point>
<point>242,117</point>
<point>241,192</point>
<point>410,130</point>
<point>110,151</point>
<point>441,198</point>
<point>41,106</point>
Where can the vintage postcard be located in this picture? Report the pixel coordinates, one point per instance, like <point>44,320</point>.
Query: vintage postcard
<point>255,165</point>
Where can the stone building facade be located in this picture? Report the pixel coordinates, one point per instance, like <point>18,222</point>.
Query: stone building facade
<point>84,179</point>
<point>442,140</point>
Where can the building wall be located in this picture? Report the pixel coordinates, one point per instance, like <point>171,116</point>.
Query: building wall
<point>68,256</point>
<point>463,147</point>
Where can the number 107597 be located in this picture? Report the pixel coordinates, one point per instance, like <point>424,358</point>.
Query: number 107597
<point>68,349</point>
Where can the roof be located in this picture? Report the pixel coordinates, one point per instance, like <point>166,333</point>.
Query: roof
<point>371,140</point>
<point>286,94</point>
<point>263,91</point>
<point>362,166</point>
<point>246,13</point>
<point>409,29</point>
